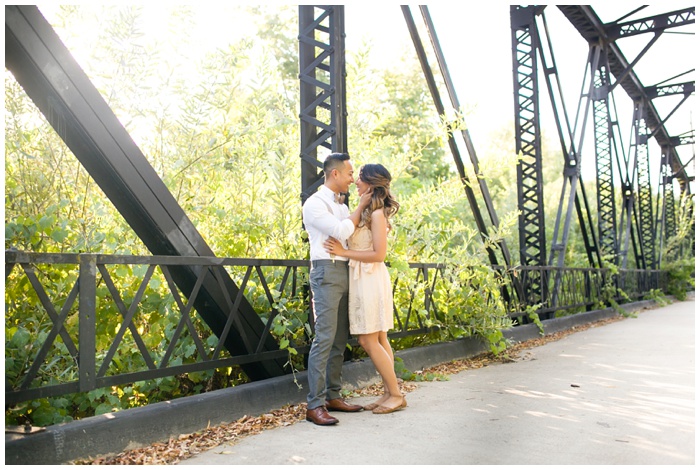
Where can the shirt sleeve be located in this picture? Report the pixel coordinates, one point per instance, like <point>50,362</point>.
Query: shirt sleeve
<point>316,215</point>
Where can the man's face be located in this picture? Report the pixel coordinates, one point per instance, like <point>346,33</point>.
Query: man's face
<point>345,177</point>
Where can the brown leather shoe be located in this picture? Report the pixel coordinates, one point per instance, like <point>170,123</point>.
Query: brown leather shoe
<point>338,404</point>
<point>320,416</point>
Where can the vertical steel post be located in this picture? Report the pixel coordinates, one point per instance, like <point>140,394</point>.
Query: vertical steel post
<point>573,195</point>
<point>603,130</point>
<point>310,167</point>
<point>644,195</point>
<point>666,223</point>
<point>323,115</point>
<point>87,321</point>
<point>528,147</point>
<point>625,229</point>
<point>628,226</point>
<point>526,37</point>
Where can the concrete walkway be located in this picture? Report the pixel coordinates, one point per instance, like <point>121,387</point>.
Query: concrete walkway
<point>620,394</point>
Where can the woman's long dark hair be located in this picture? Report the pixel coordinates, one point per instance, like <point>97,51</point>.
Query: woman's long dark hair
<point>379,179</point>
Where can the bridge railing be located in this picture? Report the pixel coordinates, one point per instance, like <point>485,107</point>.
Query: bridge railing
<point>569,290</point>
<point>79,322</point>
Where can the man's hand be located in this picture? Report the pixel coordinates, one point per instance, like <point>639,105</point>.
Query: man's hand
<point>334,247</point>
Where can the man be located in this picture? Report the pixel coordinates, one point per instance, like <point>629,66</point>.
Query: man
<point>325,216</point>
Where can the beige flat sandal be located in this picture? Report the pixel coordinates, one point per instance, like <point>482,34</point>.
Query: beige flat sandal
<point>382,410</point>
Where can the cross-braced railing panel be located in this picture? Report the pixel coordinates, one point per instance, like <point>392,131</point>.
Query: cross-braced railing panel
<point>133,323</point>
<point>414,316</point>
<point>76,323</point>
<point>138,325</point>
<point>575,288</point>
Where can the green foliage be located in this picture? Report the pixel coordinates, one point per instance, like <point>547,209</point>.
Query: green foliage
<point>657,296</point>
<point>467,297</point>
<point>610,293</point>
<point>403,373</point>
<point>397,126</point>
<point>531,312</point>
<point>224,138</point>
<point>681,277</point>
<point>680,268</point>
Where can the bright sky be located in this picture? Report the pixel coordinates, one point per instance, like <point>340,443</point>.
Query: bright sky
<point>477,56</point>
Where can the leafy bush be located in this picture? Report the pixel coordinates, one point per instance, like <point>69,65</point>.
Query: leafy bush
<point>681,277</point>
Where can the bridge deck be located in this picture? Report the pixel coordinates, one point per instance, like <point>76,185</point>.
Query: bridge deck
<point>622,393</point>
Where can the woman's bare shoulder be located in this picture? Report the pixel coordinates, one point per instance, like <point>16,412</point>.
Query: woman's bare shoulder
<point>378,213</point>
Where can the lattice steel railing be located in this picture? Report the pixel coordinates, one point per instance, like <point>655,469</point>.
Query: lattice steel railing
<point>78,322</point>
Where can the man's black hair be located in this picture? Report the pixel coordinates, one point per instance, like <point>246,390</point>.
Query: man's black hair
<point>334,160</point>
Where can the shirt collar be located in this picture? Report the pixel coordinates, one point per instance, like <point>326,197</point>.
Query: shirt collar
<point>328,193</point>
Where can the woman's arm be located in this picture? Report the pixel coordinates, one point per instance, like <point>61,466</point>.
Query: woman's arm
<point>379,236</point>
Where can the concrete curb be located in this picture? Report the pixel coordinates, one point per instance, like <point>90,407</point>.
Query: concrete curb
<point>112,433</point>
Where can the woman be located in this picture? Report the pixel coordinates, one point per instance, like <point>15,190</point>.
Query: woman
<point>370,301</point>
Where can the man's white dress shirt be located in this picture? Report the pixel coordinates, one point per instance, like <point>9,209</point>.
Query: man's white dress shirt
<point>323,218</point>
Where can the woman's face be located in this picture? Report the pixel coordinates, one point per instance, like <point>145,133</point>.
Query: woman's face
<point>362,187</point>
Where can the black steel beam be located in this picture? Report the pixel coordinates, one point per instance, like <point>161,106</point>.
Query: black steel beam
<point>644,191</point>
<point>454,100</point>
<point>604,124</point>
<point>54,81</point>
<point>685,89</point>
<point>452,93</point>
<point>666,226</point>
<point>593,30</point>
<point>323,114</point>
<point>653,24</point>
<point>687,138</point>
<point>528,147</point>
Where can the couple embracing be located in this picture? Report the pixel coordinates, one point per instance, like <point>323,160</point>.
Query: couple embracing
<point>350,285</point>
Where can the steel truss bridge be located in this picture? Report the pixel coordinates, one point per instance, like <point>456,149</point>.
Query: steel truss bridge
<point>631,232</point>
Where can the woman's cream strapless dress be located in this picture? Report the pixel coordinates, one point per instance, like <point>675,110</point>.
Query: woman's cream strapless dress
<point>370,306</point>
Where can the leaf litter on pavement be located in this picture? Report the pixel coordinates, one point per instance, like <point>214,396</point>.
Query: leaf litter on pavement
<point>185,446</point>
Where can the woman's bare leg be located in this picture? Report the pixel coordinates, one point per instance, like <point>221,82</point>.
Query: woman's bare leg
<point>384,363</point>
<point>384,341</point>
